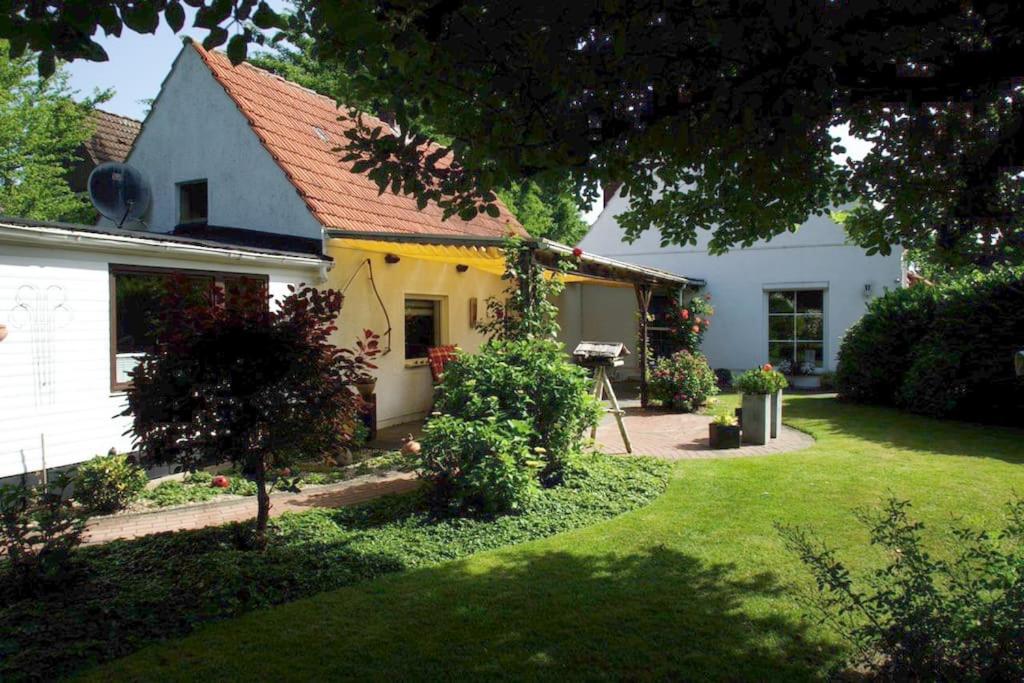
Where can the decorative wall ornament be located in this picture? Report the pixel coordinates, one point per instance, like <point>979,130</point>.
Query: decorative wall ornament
<point>42,312</point>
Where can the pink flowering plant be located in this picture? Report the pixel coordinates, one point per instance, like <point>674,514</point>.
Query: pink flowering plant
<point>690,321</point>
<point>683,381</point>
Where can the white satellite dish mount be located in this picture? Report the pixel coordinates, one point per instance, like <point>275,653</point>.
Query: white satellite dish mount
<point>119,192</point>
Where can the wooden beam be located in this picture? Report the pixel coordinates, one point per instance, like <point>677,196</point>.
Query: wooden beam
<point>643,302</point>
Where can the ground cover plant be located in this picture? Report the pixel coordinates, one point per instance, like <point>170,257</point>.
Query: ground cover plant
<point>132,592</point>
<point>697,585</point>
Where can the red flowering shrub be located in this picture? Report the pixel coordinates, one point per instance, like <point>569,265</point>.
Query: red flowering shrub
<point>683,381</point>
<point>236,380</point>
<point>690,322</point>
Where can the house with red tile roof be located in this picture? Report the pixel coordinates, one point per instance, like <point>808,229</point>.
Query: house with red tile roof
<point>246,182</point>
<point>111,140</point>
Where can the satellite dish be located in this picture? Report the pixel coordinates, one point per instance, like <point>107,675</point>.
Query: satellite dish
<point>119,192</point>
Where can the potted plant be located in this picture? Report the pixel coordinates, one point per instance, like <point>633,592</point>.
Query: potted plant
<point>358,361</point>
<point>758,386</point>
<point>724,432</point>
<point>366,384</point>
<point>803,375</point>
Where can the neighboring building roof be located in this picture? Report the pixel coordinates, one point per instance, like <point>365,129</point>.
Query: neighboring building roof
<point>32,231</point>
<point>112,136</point>
<point>302,131</point>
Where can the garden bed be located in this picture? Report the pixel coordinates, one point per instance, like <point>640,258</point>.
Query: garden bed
<point>176,491</point>
<point>130,593</point>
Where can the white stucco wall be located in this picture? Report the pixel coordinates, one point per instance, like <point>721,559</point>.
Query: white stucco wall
<point>76,416</point>
<point>817,256</point>
<point>405,393</point>
<point>195,131</point>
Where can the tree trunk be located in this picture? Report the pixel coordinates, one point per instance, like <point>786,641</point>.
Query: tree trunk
<point>262,504</point>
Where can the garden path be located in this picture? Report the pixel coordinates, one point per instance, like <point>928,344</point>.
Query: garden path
<point>217,512</point>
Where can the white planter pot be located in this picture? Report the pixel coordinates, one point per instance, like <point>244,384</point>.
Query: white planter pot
<point>804,381</point>
<point>776,417</point>
<point>756,419</point>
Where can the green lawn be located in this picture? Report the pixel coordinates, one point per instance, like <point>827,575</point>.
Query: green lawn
<point>695,585</point>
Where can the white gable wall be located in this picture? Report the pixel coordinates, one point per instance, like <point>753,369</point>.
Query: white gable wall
<point>195,131</point>
<point>816,256</point>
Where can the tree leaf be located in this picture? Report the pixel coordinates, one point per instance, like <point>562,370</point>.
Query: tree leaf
<point>174,14</point>
<point>238,46</point>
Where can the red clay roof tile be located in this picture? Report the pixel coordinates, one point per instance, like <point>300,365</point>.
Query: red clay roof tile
<point>292,122</point>
<point>112,136</point>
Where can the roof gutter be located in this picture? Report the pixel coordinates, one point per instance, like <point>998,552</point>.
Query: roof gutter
<point>34,235</point>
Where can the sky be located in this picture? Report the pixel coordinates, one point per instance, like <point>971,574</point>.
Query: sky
<point>139,63</point>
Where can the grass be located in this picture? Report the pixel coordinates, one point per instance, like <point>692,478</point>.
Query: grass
<point>696,585</point>
<point>128,593</point>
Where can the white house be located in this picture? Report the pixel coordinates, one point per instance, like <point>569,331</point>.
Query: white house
<point>246,181</point>
<point>791,297</point>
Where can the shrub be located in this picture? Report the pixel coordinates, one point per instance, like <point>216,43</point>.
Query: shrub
<point>688,323</point>
<point>243,381</point>
<point>39,531</point>
<point>109,483</point>
<point>683,381</point>
<point>945,351</point>
<point>924,618</point>
<point>724,377</point>
<point>480,465</point>
<point>763,380</point>
<point>527,380</point>
<point>876,351</point>
<point>963,367</point>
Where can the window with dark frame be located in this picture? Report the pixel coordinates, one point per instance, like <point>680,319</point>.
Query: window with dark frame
<point>136,294</point>
<point>422,327</point>
<point>193,205</point>
<point>796,326</point>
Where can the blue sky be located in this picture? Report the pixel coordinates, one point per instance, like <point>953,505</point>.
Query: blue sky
<point>137,66</point>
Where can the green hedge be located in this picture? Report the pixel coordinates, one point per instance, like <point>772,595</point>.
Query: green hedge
<point>945,351</point>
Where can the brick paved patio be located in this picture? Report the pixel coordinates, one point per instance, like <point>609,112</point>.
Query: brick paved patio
<point>214,513</point>
<point>677,436</point>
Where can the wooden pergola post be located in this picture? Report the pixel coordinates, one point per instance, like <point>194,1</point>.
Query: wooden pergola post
<point>643,301</point>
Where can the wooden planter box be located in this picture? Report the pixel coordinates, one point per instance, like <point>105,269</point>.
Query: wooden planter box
<point>723,436</point>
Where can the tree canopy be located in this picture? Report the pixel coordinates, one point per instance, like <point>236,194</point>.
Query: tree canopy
<point>41,129</point>
<point>714,114</point>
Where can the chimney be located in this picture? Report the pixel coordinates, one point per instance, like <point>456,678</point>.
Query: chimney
<point>610,188</point>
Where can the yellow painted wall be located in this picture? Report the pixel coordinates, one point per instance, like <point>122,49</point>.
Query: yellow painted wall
<point>404,393</point>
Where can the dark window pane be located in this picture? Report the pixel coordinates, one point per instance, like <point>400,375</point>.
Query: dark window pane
<point>661,306</point>
<point>420,327</point>
<point>780,327</point>
<point>193,202</point>
<point>779,351</point>
<point>810,301</point>
<point>662,343</point>
<point>248,290</point>
<point>809,327</point>
<point>780,302</point>
<point>138,298</point>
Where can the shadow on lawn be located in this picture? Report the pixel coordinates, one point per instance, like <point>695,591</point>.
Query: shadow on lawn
<point>898,429</point>
<point>543,615</point>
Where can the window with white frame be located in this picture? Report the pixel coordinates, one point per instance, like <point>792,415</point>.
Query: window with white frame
<point>796,327</point>
<point>422,326</point>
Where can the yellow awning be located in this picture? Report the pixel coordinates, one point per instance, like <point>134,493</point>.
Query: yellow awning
<point>489,259</point>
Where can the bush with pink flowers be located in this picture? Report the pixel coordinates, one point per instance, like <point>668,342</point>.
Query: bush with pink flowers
<point>683,381</point>
<point>689,322</point>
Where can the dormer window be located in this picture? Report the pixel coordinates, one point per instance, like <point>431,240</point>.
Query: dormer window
<point>192,202</point>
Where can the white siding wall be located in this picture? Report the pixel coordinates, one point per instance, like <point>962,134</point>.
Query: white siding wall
<point>195,131</point>
<point>77,414</point>
<point>405,393</point>
<point>817,255</point>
